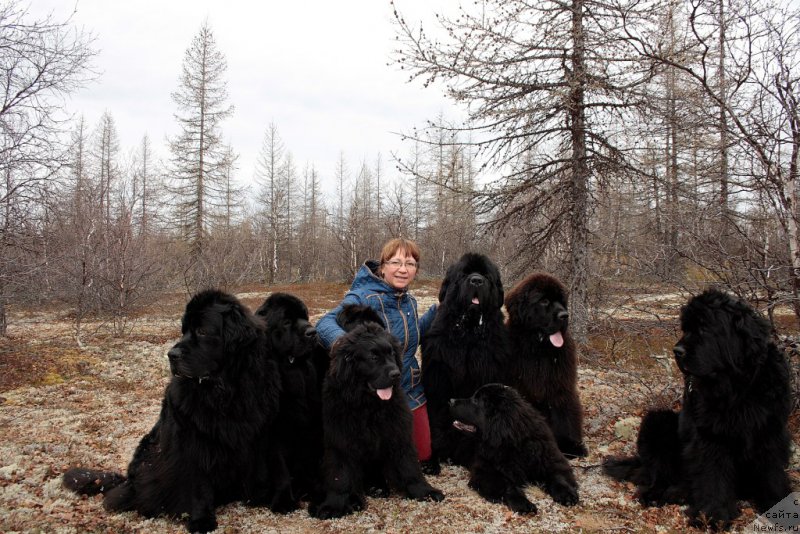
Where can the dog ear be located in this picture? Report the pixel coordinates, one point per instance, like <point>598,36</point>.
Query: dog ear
<point>513,304</point>
<point>341,356</point>
<point>754,332</point>
<point>499,428</point>
<point>238,326</point>
<point>498,282</point>
<point>443,288</point>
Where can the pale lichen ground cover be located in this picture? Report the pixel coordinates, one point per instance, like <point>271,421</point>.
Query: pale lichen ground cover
<point>97,416</point>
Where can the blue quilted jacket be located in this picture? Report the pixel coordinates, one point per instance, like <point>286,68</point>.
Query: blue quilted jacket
<point>399,312</point>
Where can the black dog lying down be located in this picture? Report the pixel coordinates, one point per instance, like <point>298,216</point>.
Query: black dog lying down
<point>730,440</point>
<point>367,421</point>
<point>516,447</point>
<point>211,444</point>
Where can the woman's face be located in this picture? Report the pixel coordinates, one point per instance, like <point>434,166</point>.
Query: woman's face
<point>399,270</point>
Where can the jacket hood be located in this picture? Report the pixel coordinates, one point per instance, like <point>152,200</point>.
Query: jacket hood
<point>367,279</point>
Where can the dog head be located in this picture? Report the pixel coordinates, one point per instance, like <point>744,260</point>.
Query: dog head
<point>215,328</point>
<point>291,336</point>
<point>723,338</point>
<point>539,304</point>
<point>353,315</point>
<point>369,359</point>
<point>472,284</point>
<point>494,412</point>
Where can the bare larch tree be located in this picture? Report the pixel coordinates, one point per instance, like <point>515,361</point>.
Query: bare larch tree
<point>199,158</point>
<point>41,61</point>
<point>546,85</point>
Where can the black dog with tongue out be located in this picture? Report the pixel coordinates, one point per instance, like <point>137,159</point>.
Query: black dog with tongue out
<point>465,348</point>
<point>366,421</point>
<point>543,359</point>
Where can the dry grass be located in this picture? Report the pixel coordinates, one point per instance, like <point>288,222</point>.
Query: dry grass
<point>61,406</point>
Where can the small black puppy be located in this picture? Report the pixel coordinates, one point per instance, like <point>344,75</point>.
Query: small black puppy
<point>366,421</point>
<point>516,447</point>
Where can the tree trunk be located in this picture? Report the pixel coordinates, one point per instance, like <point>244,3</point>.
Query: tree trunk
<point>579,294</point>
<point>3,319</point>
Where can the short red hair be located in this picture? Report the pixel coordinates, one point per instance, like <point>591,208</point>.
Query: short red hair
<point>393,246</point>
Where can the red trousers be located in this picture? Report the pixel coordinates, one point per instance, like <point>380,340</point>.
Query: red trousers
<point>421,433</point>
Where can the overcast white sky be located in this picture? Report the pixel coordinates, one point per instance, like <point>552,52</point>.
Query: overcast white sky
<point>317,68</point>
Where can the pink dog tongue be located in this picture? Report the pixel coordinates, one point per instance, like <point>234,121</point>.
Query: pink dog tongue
<point>475,300</point>
<point>557,339</point>
<point>385,393</point>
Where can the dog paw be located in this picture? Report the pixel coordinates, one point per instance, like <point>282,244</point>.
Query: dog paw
<point>378,491</point>
<point>284,507</point>
<point>336,505</point>
<point>434,495</point>
<point>565,495</point>
<point>202,524</point>
<point>422,491</point>
<point>283,503</point>
<point>356,503</point>
<point>326,511</point>
<point>650,497</point>
<point>521,505</point>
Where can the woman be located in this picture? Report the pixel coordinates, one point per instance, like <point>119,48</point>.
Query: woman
<point>383,285</point>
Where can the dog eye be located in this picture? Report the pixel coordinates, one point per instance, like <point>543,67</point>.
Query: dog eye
<point>204,332</point>
<point>544,302</point>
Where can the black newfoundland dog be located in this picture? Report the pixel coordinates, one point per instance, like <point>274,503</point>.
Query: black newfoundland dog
<point>292,342</point>
<point>543,360</point>
<point>516,448</point>
<point>465,348</point>
<point>210,445</point>
<point>366,420</point>
<point>730,440</point>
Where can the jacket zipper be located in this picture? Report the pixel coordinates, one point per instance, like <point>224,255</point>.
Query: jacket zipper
<point>405,324</point>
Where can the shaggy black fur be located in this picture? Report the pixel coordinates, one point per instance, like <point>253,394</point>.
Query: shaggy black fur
<point>292,341</point>
<point>465,348</point>
<point>516,447</point>
<point>354,315</point>
<point>731,434</point>
<point>659,449</point>
<point>367,423</point>
<point>211,443</point>
<point>544,364</point>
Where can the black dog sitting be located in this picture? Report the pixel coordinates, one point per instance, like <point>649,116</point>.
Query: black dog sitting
<point>543,359</point>
<point>515,448</point>
<point>212,442</point>
<point>730,441</point>
<point>292,342</point>
<point>366,420</point>
<point>465,348</point>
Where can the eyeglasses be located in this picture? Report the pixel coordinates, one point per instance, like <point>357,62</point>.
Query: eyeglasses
<point>396,264</point>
